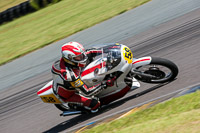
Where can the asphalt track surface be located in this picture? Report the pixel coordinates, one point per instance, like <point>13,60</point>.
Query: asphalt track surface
<point>116,29</point>
<point>178,40</point>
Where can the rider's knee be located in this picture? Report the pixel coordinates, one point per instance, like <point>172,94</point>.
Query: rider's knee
<point>94,104</point>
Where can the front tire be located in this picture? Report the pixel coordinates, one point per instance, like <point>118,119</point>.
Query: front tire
<point>163,71</point>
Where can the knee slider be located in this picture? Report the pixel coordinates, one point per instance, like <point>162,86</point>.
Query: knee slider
<point>94,103</point>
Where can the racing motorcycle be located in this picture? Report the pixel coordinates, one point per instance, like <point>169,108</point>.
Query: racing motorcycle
<point>114,60</point>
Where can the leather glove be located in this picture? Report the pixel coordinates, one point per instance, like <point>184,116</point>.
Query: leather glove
<point>109,83</point>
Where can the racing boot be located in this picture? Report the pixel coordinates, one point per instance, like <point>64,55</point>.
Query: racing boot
<point>94,105</point>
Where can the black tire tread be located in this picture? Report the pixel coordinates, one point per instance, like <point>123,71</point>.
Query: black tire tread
<point>60,107</point>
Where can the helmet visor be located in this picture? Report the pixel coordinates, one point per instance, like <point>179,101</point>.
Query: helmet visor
<point>80,57</point>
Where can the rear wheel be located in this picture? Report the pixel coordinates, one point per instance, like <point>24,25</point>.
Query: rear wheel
<point>61,107</point>
<point>159,70</point>
<point>71,107</point>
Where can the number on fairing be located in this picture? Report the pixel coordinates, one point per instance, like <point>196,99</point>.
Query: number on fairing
<point>128,56</point>
<point>48,99</point>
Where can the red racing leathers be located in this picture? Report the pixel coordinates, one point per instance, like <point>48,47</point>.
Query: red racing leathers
<point>67,84</point>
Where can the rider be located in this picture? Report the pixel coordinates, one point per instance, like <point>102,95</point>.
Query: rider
<point>66,76</point>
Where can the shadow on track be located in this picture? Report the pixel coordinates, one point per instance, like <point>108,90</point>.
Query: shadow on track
<point>81,118</point>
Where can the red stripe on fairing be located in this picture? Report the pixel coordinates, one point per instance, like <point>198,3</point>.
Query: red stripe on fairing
<point>90,70</point>
<point>45,89</point>
<point>140,60</point>
<point>69,48</point>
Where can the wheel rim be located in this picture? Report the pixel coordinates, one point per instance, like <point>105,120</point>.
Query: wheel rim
<point>162,73</point>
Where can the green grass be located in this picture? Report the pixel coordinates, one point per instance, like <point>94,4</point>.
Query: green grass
<point>55,22</point>
<point>5,4</point>
<point>179,115</point>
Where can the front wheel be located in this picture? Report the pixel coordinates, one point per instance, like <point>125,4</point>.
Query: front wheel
<point>158,71</point>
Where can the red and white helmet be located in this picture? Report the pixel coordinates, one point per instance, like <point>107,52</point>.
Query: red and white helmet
<point>74,53</point>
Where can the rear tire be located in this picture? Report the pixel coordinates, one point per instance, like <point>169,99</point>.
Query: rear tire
<point>71,107</point>
<point>61,107</point>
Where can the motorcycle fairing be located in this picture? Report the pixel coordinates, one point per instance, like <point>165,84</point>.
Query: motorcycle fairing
<point>89,75</point>
<point>47,95</point>
<point>114,96</point>
<point>96,71</point>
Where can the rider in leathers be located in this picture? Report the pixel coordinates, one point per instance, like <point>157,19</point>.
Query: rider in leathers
<point>67,83</point>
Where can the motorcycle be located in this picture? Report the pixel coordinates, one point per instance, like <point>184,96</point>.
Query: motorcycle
<point>114,60</point>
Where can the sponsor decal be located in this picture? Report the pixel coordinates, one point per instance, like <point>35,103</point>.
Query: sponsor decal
<point>94,80</point>
<point>77,83</point>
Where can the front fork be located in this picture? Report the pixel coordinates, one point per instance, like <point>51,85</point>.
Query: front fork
<point>136,72</point>
<point>130,78</point>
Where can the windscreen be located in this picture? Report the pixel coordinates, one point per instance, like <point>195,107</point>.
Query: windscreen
<point>111,54</point>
